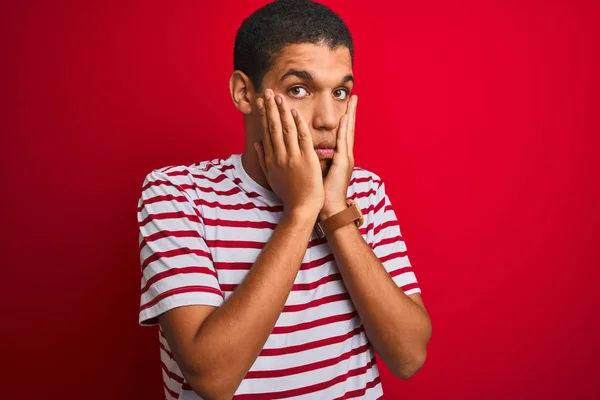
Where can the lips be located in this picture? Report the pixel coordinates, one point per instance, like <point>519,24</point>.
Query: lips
<point>325,152</point>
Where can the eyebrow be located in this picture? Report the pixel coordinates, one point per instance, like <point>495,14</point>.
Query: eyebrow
<point>308,76</point>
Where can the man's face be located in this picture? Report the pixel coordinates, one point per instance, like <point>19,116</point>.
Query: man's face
<point>316,81</point>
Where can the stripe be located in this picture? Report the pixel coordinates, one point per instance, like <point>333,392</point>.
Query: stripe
<point>307,389</point>
<point>392,256</point>
<point>172,374</point>
<point>241,265</point>
<point>160,198</point>
<point>359,195</point>
<point>230,287</point>
<point>174,253</point>
<point>165,233</point>
<point>180,290</point>
<point>410,286</point>
<point>315,303</point>
<point>218,179</point>
<point>374,207</point>
<point>386,224</point>
<point>361,392</point>
<point>172,393</point>
<point>177,271</point>
<point>219,167</point>
<point>235,244</point>
<point>400,271</point>
<point>364,179</point>
<point>187,186</point>
<point>310,345</point>
<point>239,224</point>
<point>240,206</point>
<point>278,330</point>
<point>385,241</point>
<point>277,373</point>
<point>169,215</point>
<point>379,206</point>
<point>162,346</point>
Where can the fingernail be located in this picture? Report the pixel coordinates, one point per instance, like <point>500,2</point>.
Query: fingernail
<point>259,104</point>
<point>267,94</point>
<point>278,99</point>
<point>295,113</point>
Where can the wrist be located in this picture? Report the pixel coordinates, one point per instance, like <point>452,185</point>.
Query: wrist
<point>331,210</point>
<point>299,216</point>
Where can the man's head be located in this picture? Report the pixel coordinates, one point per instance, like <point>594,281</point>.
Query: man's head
<point>302,50</point>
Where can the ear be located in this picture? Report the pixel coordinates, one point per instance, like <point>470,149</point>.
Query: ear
<point>242,92</point>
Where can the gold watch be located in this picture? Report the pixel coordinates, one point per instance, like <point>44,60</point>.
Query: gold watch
<point>349,215</point>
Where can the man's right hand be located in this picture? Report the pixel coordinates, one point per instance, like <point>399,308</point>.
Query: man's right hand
<point>287,157</point>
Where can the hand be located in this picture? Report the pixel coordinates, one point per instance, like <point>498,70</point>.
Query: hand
<point>337,179</point>
<point>287,157</point>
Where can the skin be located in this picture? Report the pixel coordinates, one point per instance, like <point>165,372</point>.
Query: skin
<point>309,108</point>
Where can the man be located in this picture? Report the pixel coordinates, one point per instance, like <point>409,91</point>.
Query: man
<point>252,301</point>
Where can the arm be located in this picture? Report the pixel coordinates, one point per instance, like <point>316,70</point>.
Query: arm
<point>215,347</point>
<point>397,325</point>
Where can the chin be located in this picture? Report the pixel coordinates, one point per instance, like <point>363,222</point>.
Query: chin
<point>325,165</point>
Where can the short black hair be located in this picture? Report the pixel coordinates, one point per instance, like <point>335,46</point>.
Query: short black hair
<point>270,28</point>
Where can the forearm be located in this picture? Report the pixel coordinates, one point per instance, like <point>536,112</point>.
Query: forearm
<point>398,328</point>
<point>232,337</point>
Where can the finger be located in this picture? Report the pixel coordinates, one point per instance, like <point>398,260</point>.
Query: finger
<point>288,126</point>
<point>274,123</point>
<point>304,138</point>
<point>341,146</point>
<point>260,152</point>
<point>267,145</point>
<point>352,124</point>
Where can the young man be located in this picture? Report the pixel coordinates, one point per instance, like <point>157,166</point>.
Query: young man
<point>253,302</point>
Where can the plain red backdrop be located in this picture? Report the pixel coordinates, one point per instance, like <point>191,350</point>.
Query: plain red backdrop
<point>482,118</point>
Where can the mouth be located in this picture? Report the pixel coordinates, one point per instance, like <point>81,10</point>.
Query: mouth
<point>325,153</point>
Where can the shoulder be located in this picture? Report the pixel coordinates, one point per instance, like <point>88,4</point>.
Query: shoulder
<point>186,176</point>
<point>363,180</point>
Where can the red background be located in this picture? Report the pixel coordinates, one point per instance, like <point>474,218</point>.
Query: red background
<point>482,117</point>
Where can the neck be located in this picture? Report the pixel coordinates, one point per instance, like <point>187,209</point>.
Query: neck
<point>252,166</point>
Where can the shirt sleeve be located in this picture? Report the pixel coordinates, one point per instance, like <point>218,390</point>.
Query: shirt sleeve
<point>177,267</point>
<point>388,244</point>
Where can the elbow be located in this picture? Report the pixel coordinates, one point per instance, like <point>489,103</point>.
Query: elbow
<point>407,369</point>
<point>212,387</point>
<point>408,365</point>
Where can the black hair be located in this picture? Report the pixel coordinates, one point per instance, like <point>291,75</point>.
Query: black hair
<point>270,28</point>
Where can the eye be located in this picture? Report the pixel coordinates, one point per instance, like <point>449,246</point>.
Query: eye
<point>341,94</point>
<point>298,91</point>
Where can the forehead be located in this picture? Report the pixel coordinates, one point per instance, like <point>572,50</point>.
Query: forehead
<point>320,60</point>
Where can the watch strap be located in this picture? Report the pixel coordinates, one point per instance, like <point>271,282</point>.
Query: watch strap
<point>345,217</point>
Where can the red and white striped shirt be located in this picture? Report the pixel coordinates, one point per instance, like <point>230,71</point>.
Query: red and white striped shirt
<point>202,228</point>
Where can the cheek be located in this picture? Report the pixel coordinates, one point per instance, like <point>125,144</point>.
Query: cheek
<point>304,108</point>
<point>341,108</point>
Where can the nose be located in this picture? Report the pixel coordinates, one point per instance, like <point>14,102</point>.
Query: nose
<point>324,114</point>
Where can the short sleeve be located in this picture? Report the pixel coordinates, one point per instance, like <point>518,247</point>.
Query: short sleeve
<point>177,267</point>
<point>388,244</point>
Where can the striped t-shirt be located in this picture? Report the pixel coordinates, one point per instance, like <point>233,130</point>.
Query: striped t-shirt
<point>202,228</point>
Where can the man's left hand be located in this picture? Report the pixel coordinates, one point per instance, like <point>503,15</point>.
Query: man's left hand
<point>337,179</point>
